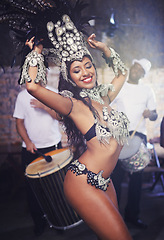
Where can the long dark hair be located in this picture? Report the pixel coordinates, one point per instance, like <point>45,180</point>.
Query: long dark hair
<point>75,137</point>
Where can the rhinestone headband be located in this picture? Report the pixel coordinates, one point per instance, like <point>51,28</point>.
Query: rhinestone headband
<point>69,44</point>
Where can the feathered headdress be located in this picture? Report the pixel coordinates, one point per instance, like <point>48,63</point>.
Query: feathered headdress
<point>57,24</point>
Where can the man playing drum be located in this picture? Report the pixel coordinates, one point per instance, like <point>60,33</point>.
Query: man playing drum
<point>42,135</point>
<point>137,101</point>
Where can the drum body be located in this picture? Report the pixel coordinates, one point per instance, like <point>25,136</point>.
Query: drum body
<point>46,180</point>
<point>134,156</point>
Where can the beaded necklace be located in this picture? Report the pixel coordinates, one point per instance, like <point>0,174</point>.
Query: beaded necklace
<point>96,93</point>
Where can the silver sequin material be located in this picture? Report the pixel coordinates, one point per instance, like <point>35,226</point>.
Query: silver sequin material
<point>33,59</point>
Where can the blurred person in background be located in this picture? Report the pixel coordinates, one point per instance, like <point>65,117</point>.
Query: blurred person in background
<point>138,102</point>
<point>37,126</point>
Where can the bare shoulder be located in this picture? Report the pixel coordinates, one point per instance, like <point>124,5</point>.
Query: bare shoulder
<point>79,107</point>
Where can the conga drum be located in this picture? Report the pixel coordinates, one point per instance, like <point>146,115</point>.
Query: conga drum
<point>46,180</point>
<point>134,156</point>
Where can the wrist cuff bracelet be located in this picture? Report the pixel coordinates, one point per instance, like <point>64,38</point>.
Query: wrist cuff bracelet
<point>115,61</point>
<point>34,59</point>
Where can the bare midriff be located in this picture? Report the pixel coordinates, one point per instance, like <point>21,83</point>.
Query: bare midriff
<point>99,157</point>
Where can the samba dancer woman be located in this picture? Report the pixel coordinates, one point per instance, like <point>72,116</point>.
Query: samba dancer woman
<point>94,200</point>
<point>97,131</point>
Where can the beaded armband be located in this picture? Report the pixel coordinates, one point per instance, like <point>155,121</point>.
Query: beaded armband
<point>34,59</point>
<point>94,179</point>
<point>115,61</point>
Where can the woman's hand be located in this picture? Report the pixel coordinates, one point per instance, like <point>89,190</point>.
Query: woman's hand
<point>30,44</point>
<point>93,43</point>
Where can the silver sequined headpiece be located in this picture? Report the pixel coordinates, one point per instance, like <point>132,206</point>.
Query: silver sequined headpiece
<point>69,44</point>
<point>49,21</point>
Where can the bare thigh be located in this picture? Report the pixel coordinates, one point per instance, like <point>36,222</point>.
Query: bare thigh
<point>96,207</point>
<point>112,194</point>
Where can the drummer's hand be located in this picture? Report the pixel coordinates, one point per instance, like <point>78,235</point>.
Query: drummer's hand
<point>146,113</point>
<point>93,43</point>
<point>30,146</point>
<point>154,140</point>
<point>30,44</point>
<point>37,104</point>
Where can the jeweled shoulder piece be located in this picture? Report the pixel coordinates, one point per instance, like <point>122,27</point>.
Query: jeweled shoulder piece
<point>66,93</point>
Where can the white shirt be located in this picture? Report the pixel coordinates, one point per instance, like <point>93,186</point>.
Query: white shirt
<point>42,129</point>
<point>133,99</point>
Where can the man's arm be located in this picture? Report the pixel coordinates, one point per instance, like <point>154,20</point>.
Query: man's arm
<point>37,104</point>
<point>23,133</point>
<point>162,133</point>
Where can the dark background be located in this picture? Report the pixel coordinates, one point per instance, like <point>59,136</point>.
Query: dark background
<point>138,30</point>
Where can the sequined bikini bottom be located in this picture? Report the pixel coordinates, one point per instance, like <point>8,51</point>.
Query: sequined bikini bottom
<point>92,178</point>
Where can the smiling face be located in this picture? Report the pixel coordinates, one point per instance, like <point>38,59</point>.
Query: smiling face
<point>83,73</point>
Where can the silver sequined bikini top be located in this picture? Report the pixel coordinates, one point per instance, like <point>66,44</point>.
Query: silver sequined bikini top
<point>116,126</point>
<point>115,123</point>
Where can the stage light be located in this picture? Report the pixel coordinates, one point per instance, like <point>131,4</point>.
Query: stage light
<point>111,26</point>
<point>112,20</point>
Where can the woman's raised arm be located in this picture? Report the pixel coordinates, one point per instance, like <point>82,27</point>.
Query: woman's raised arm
<point>51,99</point>
<point>114,61</point>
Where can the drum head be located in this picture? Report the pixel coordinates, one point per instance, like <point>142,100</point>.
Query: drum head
<point>131,148</point>
<point>41,168</point>
<point>138,161</point>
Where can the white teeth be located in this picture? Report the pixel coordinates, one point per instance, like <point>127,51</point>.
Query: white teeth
<point>87,80</point>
